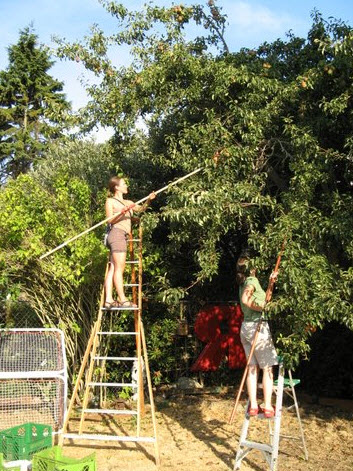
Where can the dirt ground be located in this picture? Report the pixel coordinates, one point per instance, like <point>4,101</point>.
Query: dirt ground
<point>194,434</point>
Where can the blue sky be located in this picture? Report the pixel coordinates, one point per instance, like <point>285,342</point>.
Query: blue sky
<point>250,23</point>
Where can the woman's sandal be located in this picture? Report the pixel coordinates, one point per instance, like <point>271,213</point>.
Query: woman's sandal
<point>127,304</point>
<point>254,411</point>
<point>269,413</point>
<point>111,305</point>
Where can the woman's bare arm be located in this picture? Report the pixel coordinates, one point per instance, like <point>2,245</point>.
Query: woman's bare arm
<point>140,208</point>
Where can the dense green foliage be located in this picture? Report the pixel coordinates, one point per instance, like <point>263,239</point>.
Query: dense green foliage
<point>33,108</point>
<point>271,129</point>
<point>39,210</point>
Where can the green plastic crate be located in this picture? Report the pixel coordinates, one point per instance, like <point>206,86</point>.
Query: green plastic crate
<point>21,442</point>
<point>52,459</point>
<point>2,467</point>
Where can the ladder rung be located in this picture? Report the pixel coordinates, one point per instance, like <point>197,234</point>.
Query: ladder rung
<point>115,358</point>
<point>117,333</point>
<point>129,308</point>
<point>118,385</point>
<point>288,383</point>
<point>111,411</point>
<point>257,446</point>
<point>131,284</point>
<point>131,261</point>
<point>116,438</point>
<point>133,240</point>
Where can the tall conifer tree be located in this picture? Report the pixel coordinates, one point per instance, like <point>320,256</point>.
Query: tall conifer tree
<point>33,108</point>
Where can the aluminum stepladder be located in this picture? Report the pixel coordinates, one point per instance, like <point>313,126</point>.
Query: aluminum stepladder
<point>270,450</point>
<point>98,361</point>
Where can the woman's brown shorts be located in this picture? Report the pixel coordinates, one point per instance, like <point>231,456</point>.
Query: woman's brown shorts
<point>117,240</point>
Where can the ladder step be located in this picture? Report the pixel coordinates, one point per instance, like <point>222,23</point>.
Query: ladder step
<point>288,383</point>
<point>111,411</point>
<point>257,446</point>
<point>133,240</point>
<point>116,358</point>
<point>115,438</point>
<point>118,385</point>
<point>117,333</point>
<point>132,261</point>
<point>131,284</point>
<point>127,308</point>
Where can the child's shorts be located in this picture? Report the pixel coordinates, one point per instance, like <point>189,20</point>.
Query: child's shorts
<point>264,354</point>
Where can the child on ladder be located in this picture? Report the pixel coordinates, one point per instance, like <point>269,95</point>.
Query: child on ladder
<point>117,239</point>
<point>252,302</point>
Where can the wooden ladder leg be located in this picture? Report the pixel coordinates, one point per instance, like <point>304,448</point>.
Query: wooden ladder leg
<point>137,299</point>
<point>77,384</point>
<point>150,392</point>
<point>140,394</point>
<point>90,372</point>
<point>82,367</point>
<point>103,366</point>
<point>93,353</point>
<point>138,317</point>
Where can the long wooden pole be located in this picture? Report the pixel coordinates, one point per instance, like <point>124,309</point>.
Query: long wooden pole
<point>268,297</point>
<point>123,211</point>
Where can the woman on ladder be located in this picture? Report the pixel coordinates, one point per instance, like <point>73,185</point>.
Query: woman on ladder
<point>252,302</point>
<point>117,240</point>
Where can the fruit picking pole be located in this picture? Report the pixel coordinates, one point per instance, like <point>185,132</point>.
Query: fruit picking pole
<point>123,211</point>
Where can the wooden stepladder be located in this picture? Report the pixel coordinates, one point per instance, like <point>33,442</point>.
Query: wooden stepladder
<point>270,450</point>
<point>101,391</point>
